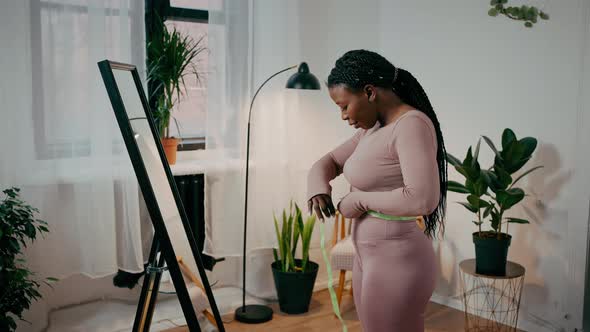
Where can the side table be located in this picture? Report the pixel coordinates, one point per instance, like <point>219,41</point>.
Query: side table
<point>491,303</point>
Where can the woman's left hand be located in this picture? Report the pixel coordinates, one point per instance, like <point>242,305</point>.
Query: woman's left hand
<point>348,206</point>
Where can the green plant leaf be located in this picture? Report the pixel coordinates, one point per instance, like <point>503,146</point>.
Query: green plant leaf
<point>279,238</point>
<point>508,198</point>
<point>492,146</point>
<point>469,207</point>
<point>470,186</point>
<point>516,166</point>
<point>477,202</point>
<point>476,153</point>
<point>487,211</point>
<point>529,145</point>
<point>172,56</point>
<point>474,170</point>
<point>517,221</point>
<point>462,171</point>
<point>467,162</point>
<point>512,156</point>
<point>508,137</point>
<point>503,177</point>
<point>533,14</point>
<point>480,185</point>
<point>291,264</point>
<point>495,220</point>
<point>306,240</point>
<point>493,12</point>
<point>453,160</point>
<point>523,10</point>
<point>491,180</point>
<point>473,201</point>
<point>544,15</point>
<point>528,24</point>
<point>296,230</point>
<point>457,187</point>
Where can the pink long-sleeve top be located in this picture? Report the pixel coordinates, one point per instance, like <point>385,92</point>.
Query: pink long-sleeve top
<point>391,169</point>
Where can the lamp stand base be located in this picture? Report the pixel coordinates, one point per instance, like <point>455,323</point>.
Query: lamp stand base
<point>253,314</point>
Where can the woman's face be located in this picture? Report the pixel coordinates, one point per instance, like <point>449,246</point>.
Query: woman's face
<point>355,108</point>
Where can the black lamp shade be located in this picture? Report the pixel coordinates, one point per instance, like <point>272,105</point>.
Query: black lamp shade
<point>303,79</point>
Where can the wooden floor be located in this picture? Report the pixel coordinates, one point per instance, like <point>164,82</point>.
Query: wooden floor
<point>321,318</point>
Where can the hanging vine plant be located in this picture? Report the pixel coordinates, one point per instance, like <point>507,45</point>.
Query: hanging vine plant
<point>528,14</point>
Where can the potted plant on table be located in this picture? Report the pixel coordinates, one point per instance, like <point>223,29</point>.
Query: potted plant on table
<point>294,278</point>
<point>18,289</point>
<point>172,57</point>
<point>491,193</point>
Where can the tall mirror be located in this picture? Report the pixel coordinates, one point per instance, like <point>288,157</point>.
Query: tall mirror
<point>172,228</point>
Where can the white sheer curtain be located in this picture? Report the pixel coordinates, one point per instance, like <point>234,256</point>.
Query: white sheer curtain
<point>250,41</point>
<point>60,141</point>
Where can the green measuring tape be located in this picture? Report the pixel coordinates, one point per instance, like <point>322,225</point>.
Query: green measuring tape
<point>335,305</point>
<point>330,279</point>
<point>388,217</point>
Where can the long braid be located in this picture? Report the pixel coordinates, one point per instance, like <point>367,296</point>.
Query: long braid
<point>412,93</point>
<point>357,68</point>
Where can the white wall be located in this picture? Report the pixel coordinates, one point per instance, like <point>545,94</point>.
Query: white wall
<point>482,75</point>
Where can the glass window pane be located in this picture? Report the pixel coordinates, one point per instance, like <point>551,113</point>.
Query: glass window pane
<point>198,4</point>
<point>193,4</point>
<point>191,111</point>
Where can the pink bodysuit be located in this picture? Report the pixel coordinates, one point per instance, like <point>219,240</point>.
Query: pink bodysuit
<point>392,170</point>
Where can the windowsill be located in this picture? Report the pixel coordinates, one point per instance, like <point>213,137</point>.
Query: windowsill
<point>201,162</point>
<point>217,163</point>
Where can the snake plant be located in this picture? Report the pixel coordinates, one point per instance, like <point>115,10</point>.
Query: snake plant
<point>292,229</point>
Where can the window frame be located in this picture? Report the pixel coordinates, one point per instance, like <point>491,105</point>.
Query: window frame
<point>44,148</point>
<point>162,8</point>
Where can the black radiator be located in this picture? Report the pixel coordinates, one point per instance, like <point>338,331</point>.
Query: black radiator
<point>192,192</point>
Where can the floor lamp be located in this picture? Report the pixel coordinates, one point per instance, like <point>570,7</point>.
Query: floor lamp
<point>305,80</point>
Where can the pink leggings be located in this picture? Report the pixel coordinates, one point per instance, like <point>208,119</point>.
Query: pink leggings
<point>394,274</point>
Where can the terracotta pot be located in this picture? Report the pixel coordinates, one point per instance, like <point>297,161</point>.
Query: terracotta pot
<point>170,147</point>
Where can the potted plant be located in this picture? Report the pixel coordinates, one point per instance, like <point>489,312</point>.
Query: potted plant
<point>491,193</point>
<point>294,278</point>
<point>18,289</point>
<point>172,56</point>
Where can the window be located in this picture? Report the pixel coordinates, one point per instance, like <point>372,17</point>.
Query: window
<point>62,60</point>
<point>191,17</point>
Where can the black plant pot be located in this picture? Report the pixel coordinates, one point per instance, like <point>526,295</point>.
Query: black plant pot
<point>294,289</point>
<point>491,253</point>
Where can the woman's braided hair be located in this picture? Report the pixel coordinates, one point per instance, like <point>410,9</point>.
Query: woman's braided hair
<point>357,68</point>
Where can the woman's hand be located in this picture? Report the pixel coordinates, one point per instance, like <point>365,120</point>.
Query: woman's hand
<point>322,205</point>
<point>348,206</point>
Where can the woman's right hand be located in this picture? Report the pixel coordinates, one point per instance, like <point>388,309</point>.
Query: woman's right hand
<point>322,206</point>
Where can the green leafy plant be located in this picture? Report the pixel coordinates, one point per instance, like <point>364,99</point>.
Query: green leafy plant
<point>529,14</point>
<point>172,56</point>
<point>293,228</point>
<point>18,289</point>
<point>498,179</point>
